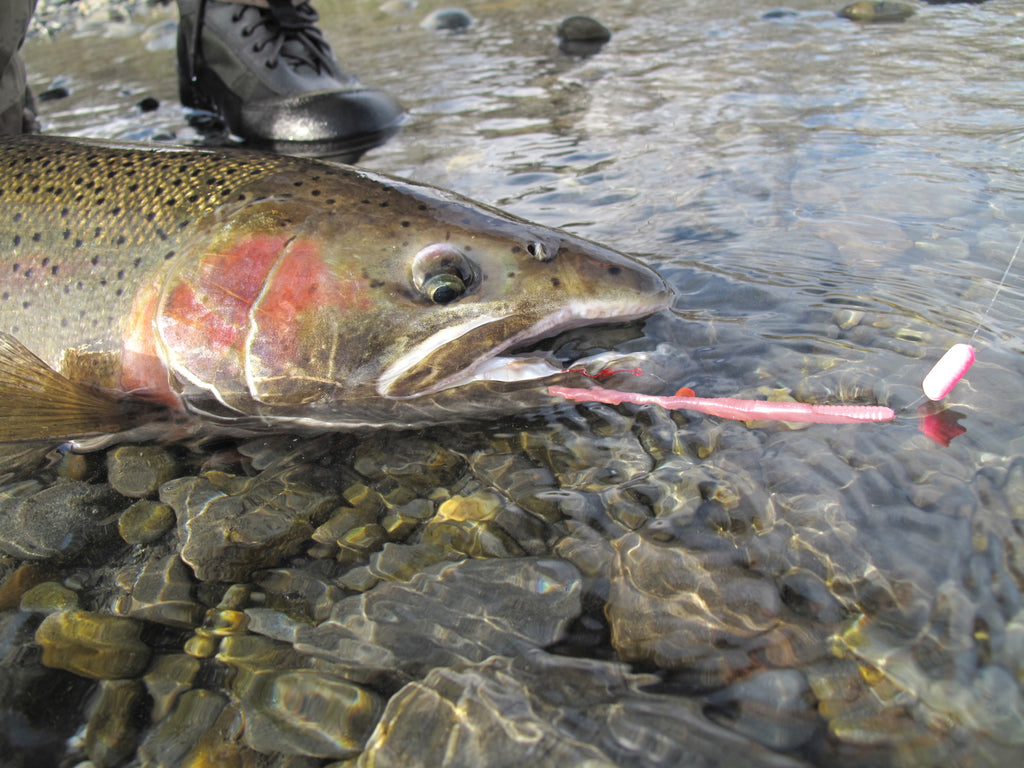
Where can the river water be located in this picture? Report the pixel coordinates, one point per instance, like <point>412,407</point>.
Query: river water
<point>835,204</point>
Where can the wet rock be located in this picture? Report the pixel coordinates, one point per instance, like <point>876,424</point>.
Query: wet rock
<point>170,740</point>
<point>541,710</point>
<point>145,521</point>
<point>138,471</point>
<point>447,614</point>
<point>448,19</point>
<point>19,581</point>
<point>113,724</point>
<point>774,707</point>
<point>55,93</point>
<point>163,593</point>
<point>49,597</point>
<point>583,28</point>
<point>873,11</point>
<point>93,645</point>
<point>148,104</point>
<point>294,710</point>
<point>689,600</point>
<point>59,521</point>
<point>230,526</point>
<point>166,679</point>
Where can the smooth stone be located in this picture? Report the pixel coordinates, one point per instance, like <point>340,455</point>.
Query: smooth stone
<point>230,526</point>
<point>166,679</point>
<point>545,710</point>
<point>307,712</point>
<point>138,471</point>
<point>448,19</point>
<point>872,11</point>
<point>93,645</point>
<point>583,28</point>
<point>170,740</point>
<point>59,521</point>
<point>49,597</point>
<point>145,521</point>
<point>112,728</point>
<point>449,613</point>
<point>163,593</point>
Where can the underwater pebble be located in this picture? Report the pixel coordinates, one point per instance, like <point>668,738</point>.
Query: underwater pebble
<point>145,521</point>
<point>230,526</point>
<point>49,597</point>
<point>112,726</point>
<point>93,645</point>
<point>138,471</point>
<point>163,593</point>
<point>447,19</point>
<point>167,678</point>
<point>450,613</point>
<point>872,11</point>
<point>577,712</point>
<point>170,740</point>
<point>580,28</point>
<point>60,521</point>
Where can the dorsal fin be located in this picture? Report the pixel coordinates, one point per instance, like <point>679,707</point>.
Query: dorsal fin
<point>37,402</point>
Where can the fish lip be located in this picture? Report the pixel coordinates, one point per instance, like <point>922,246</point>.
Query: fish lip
<point>573,315</point>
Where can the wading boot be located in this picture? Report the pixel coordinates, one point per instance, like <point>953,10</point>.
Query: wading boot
<point>269,73</point>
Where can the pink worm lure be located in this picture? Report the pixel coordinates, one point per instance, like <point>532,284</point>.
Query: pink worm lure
<point>732,408</point>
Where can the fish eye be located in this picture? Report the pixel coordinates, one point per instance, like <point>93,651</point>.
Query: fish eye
<point>442,273</point>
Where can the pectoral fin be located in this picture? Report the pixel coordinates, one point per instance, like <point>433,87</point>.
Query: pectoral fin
<point>37,402</point>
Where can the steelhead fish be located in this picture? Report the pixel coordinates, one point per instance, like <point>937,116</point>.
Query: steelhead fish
<point>260,290</point>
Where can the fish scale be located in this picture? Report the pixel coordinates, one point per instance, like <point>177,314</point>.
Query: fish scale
<point>84,225</point>
<point>251,291</point>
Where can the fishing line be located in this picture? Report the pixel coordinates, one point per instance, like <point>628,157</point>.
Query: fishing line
<point>952,366</point>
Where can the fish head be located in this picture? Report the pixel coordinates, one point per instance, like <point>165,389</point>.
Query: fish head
<point>392,310</point>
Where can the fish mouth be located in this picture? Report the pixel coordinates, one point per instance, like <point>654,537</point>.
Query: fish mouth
<point>438,362</point>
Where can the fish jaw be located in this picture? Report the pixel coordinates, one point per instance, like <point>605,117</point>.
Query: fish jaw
<point>492,364</point>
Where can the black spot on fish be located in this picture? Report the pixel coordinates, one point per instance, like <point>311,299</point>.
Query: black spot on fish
<point>54,269</point>
<point>17,240</point>
<point>406,224</point>
<point>79,242</point>
<point>556,283</point>
<point>330,201</point>
<point>95,260</point>
<point>315,193</point>
<point>120,274</point>
<point>614,270</point>
<point>4,296</point>
<point>121,240</point>
<point>66,234</point>
<point>169,255</point>
<point>15,267</point>
<point>18,216</point>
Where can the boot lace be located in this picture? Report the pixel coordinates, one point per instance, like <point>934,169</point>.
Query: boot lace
<point>288,31</point>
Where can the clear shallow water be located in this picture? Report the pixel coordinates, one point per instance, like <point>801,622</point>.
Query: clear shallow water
<point>835,204</point>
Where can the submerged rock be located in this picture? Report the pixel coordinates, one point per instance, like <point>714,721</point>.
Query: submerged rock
<point>138,471</point>
<point>448,19</point>
<point>295,710</point>
<point>230,526</point>
<point>449,613</point>
<point>583,29</point>
<point>145,521</point>
<point>541,710</point>
<point>93,645</point>
<point>58,521</point>
<point>875,11</point>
